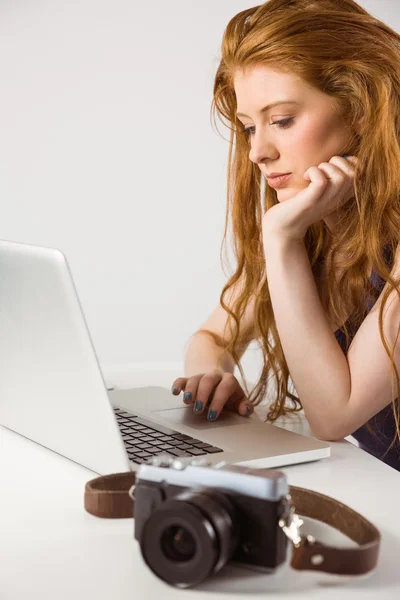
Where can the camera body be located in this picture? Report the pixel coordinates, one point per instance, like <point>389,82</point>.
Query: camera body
<point>191,517</point>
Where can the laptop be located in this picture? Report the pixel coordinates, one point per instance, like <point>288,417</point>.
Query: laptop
<point>52,390</point>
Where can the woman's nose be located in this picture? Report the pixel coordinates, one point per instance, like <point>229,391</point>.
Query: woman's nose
<point>260,151</point>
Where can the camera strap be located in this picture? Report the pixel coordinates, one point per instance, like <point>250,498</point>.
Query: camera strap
<point>109,497</point>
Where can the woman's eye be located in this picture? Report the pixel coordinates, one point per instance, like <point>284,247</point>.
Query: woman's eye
<point>283,124</point>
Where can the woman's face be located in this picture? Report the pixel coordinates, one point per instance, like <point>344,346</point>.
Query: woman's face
<point>310,132</point>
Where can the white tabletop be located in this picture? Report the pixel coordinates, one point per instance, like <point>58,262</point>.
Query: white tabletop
<point>51,548</point>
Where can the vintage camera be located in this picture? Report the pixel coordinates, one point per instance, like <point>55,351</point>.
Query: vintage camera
<point>191,517</point>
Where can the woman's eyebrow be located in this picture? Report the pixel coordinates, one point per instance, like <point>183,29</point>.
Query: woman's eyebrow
<point>269,106</point>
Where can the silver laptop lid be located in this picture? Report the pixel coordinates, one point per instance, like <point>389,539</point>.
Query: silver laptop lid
<point>51,387</point>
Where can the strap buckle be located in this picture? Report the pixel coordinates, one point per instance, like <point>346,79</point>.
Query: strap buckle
<point>131,492</point>
<point>291,527</point>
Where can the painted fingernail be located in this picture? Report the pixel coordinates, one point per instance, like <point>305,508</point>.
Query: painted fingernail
<point>212,415</point>
<point>345,155</point>
<point>198,405</point>
<point>175,390</point>
<point>248,411</point>
<point>187,397</point>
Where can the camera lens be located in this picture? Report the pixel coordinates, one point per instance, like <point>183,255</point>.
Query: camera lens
<point>177,543</point>
<point>190,536</point>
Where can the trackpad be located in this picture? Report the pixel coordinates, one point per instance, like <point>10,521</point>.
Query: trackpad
<point>186,416</point>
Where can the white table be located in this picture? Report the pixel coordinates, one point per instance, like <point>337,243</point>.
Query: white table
<point>50,548</point>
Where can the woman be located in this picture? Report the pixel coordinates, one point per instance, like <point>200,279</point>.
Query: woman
<point>317,279</point>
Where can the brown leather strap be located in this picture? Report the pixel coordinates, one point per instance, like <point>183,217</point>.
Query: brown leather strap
<point>108,497</point>
<point>316,556</point>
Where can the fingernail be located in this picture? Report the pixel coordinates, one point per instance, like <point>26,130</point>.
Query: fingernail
<point>212,415</point>
<point>198,405</point>
<point>187,397</point>
<point>248,411</point>
<point>345,155</point>
<point>175,389</point>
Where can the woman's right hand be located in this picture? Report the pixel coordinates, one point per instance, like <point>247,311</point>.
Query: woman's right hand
<point>217,389</point>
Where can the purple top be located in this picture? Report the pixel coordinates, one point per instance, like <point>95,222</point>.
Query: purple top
<point>383,424</point>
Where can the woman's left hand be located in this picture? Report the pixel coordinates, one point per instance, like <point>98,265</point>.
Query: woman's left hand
<point>331,186</point>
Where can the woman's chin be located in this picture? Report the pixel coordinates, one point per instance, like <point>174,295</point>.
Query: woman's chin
<point>284,195</point>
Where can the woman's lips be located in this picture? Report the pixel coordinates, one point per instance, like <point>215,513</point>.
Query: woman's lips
<point>276,182</point>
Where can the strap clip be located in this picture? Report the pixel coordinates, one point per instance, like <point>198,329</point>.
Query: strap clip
<point>291,527</point>
<point>131,492</point>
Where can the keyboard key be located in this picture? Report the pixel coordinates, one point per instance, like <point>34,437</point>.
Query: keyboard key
<point>155,442</point>
<point>155,425</point>
<point>133,440</point>
<point>196,451</point>
<point>212,449</point>
<point>136,435</point>
<point>176,442</point>
<point>126,414</point>
<point>144,446</point>
<point>182,436</point>
<point>156,434</point>
<point>183,446</point>
<point>146,438</point>
<point>133,449</point>
<point>177,452</point>
<point>157,452</point>
<point>143,454</point>
<point>197,444</point>
<point>133,431</point>
<point>166,438</point>
<point>145,429</point>
<point>154,451</point>
<point>166,447</point>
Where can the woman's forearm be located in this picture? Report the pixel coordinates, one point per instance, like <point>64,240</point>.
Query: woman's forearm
<point>203,355</point>
<point>316,363</point>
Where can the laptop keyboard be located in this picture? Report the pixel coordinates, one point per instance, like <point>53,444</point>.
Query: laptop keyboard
<point>144,438</point>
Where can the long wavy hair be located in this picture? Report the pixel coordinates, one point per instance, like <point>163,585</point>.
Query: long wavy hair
<point>340,49</point>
